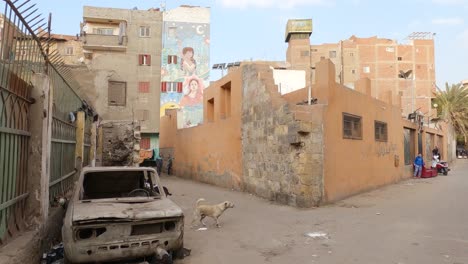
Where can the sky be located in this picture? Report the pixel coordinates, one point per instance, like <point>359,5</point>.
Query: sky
<point>254,29</point>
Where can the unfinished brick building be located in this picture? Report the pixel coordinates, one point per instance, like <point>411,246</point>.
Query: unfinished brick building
<point>403,68</point>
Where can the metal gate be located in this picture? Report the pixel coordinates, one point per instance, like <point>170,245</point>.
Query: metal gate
<point>62,159</point>
<point>24,51</point>
<point>19,56</point>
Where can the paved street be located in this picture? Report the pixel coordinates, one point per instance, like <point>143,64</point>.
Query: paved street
<point>415,221</point>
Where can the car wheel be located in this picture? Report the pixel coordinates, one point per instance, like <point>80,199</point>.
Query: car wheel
<point>167,259</point>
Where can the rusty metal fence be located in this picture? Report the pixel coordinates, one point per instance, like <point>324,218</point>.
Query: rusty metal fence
<point>62,160</point>
<point>24,51</point>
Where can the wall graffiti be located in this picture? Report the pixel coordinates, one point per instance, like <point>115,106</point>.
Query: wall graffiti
<point>185,70</point>
<point>384,149</point>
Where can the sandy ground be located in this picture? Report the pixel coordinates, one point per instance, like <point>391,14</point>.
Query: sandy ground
<point>415,221</point>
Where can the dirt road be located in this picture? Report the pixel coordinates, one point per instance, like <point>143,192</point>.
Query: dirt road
<point>415,221</point>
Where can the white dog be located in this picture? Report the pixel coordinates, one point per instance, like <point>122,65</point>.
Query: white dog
<point>214,211</point>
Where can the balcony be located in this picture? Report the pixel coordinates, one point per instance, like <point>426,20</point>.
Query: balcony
<point>104,42</point>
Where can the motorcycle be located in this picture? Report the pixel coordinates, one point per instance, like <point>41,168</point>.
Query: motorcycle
<point>441,166</point>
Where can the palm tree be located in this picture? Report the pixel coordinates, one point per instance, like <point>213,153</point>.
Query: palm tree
<point>453,103</point>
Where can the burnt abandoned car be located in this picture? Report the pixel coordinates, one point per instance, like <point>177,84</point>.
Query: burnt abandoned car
<point>120,214</point>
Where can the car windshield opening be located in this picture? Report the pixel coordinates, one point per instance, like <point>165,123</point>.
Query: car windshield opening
<point>117,184</point>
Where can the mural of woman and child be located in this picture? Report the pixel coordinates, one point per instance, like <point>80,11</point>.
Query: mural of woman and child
<point>190,101</point>
<point>188,64</point>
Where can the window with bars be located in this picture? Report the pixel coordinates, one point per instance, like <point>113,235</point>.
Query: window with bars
<point>145,143</point>
<point>117,93</point>
<point>352,126</point>
<point>171,59</point>
<point>144,59</point>
<point>171,87</point>
<point>145,31</point>
<point>381,133</point>
<point>143,87</point>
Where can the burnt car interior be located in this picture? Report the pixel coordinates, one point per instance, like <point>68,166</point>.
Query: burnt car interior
<point>117,184</point>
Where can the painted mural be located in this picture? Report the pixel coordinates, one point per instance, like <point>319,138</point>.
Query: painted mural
<point>185,70</point>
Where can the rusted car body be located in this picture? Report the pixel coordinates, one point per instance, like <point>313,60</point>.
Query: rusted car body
<point>120,213</point>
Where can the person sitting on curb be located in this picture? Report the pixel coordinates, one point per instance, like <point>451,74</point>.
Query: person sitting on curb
<point>418,165</point>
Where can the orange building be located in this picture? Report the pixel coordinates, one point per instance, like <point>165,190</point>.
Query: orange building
<point>280,148</point>
<point>343,133</point>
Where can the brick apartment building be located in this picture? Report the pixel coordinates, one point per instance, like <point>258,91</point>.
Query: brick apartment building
<point>406,69</point>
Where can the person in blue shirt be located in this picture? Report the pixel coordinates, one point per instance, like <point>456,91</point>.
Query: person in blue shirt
<point>418,165</point>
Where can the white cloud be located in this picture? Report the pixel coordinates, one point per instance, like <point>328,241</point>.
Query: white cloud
<point>275,3</point>
<point>449,2</point>
<point>448,21</point>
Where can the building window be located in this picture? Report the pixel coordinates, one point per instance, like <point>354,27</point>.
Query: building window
<point>117,93</point>
<point>144,31</point>
<point>171,87</point>
<point>171,59</point>
<point>380,131</point>
<point>332,54</point>
<point>353,71</point>
<point>144,59</point>
<point>352,127</point>
<point>142,115</point>
<point>305,53</point>
<point>145,143</point>
<point>314,50</point>
<point>143,87</point>
<point>351,54</point>
<point>69,51</point>
<point>210,110</point>
<point>103,31</point>
<point>366,69</point>
<point>400,58</point>
<point>171,32</point>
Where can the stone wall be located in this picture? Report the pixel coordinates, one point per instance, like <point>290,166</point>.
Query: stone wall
<point>282,143</point>
<point>121,143</point>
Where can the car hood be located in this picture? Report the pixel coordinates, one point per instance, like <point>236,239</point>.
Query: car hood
<point>96,211</point>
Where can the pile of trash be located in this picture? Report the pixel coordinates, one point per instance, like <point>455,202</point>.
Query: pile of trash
<point>54,256</point>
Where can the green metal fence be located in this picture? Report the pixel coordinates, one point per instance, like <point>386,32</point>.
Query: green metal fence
<point>24,51</point>
<point>65,104</point>
<point>16,69</point>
